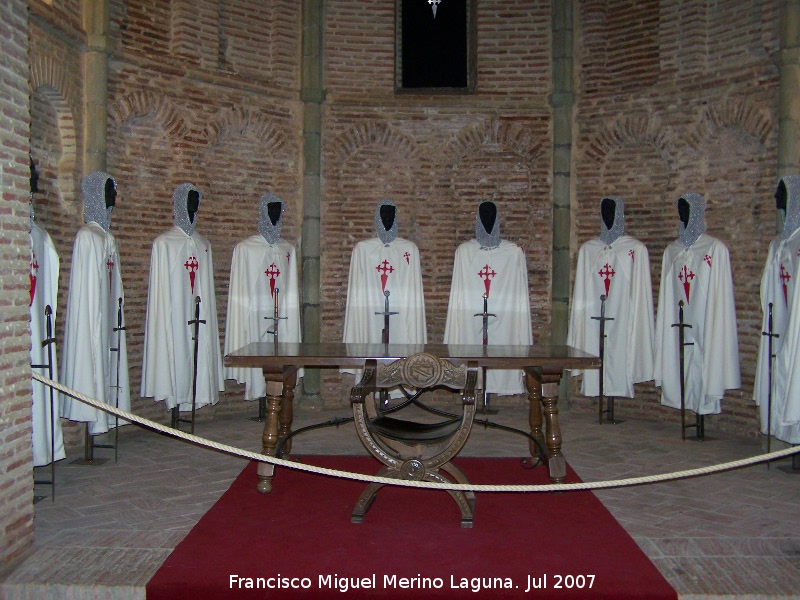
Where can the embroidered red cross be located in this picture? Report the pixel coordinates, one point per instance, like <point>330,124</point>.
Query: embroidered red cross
<point>384,268</point>
<point>487,274</point>
<point>407,257</point>
<point>632,254</point>
<point>707,258</point>
<point>686,277</point>
<point>607,273</point>
<point>785,278</point>
<point>191,265</point>
<point>272,272</point>
<point>110,267</point>
<point>34,271</point>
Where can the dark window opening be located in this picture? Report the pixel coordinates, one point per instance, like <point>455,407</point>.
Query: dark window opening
<point>434,51</point>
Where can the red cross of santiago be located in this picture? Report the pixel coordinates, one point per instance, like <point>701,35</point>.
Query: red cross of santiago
<point>191,265</point>
<point>607,273</point>
<point>785,278</point>
<point>686,276</point>
<point>110,267</point>
<point>34,271</point>
<point>384,268</point>
<point>272,272</point>
<point>487,274</point>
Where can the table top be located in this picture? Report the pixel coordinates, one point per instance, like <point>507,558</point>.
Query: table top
<point>337,354</point>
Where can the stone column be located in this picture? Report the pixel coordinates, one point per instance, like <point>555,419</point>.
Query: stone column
<point>789,94</point>
<point>95,84</point>
<point>313,96</point>
<point>561,101</point>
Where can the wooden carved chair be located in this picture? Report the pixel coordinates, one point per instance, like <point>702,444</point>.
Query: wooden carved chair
<point>413,450</point>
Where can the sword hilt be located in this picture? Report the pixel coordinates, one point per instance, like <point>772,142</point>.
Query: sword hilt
<point>197,321</point>
<point>770,336</point>
<point>119,326</point>
<point>386,312</point>
<point>275,318</point>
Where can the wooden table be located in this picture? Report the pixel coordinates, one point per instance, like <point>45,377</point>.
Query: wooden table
<point>543,366</point>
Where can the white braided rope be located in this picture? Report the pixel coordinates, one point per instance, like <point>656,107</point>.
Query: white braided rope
<point>555,487</point>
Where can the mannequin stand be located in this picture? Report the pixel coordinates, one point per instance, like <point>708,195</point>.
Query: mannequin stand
<point>48,343</point>
<point>609,412</point>
<point>699,424</point>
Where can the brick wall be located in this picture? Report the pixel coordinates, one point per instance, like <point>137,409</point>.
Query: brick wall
<point>678,97</point>
<point>671,97</point>
<point>16,481</point>
<point>435,156</point>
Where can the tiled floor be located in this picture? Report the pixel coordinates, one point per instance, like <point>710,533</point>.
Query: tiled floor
<point>732,534</point>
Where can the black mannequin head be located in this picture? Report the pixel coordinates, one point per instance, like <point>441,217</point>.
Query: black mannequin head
<point>683,211</point>
<point>608,209</point>
<point>781,196</point>
<point>387,216</point>
<point>488,214</point>
<point>274,211</point>
<point>110,193</point>
<point>192,204</point>
<point>34,177</point>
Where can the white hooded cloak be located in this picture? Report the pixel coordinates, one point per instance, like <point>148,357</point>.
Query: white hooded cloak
<point>779,287</point>
<point>181,270</point>
<point>263,266</point>
<point>44,292</point>
<point>616,266</point>
<point>696,269</point>
<point>88,363</point>
<point>497,268</point>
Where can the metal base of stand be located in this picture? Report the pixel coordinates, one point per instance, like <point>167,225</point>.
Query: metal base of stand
<point>795,468</point>
<point>484,408</point>
<point>700,431</point>
<point>177,420</point>
<point>52,493</point>
<point>89,448</point>
<point>262,411</point>
<point>610,419</point>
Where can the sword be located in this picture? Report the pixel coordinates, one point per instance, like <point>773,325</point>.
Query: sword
<point>386,314</point>
<point>770,355</point>
<point>48,343</point>
<point>602,343</point>
<point>276,318</point>
<point>384,393</point>
<point>119,329</point>
<point>196,322</point>
<point>681,343</point>
<point>485,314</point>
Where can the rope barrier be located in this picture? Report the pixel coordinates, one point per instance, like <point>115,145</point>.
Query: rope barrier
<point>555,487</point>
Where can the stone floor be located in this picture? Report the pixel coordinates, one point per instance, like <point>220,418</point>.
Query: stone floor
<point>735,534</point>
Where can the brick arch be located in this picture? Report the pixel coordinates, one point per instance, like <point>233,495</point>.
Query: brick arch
<point>243,120</point>
<point>369,133</point>
<point>146,103</point>
<point>511,136</point>
<point>47,72</point>
<point>50,79</point>
<point>638,129</point>
<point>732,112</point>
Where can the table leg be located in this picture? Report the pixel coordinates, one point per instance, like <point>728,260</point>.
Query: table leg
<point>534,384</point>
<point>269,439</point>
<point>555,460</point>
<point>286,415</point>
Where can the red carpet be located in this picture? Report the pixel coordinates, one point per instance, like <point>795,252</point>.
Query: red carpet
<point>567,543</point>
